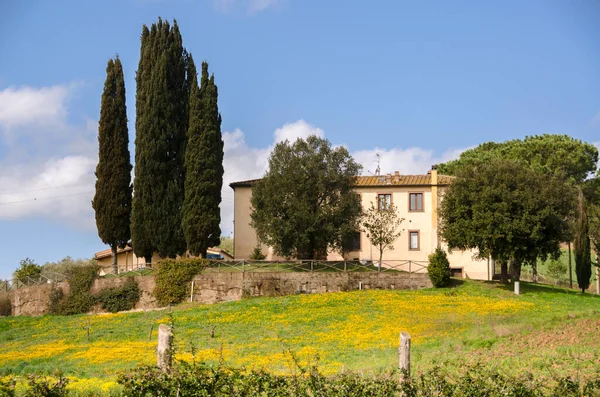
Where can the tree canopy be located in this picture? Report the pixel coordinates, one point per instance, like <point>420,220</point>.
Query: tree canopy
<point>382,226</point>
<point>112,201</point>
<point>550,154</point>
<point>305,198</point>
<point>506,210</point>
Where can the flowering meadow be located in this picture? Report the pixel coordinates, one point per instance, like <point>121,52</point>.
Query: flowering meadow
<point>355,331</point>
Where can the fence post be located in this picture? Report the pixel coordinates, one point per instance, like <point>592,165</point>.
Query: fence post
<point>345,268</point>
<point>404,355</point>
<point>311,266</point>
<point>409,267</point>
<point>517,288</point>
<point>165,347</point>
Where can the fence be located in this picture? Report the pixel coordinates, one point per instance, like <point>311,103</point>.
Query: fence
<point>250,266</point>
<point>44,278</point>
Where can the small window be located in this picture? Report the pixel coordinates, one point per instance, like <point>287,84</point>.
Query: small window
<point>384,201</point>
<point>355,244</point>
<point>413,240</point>
<point>415,201</point>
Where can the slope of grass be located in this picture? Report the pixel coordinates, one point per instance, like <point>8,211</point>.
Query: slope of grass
<point>543,330</point>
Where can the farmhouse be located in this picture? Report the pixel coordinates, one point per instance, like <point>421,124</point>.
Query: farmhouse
<point>127,260</point>
<point>417,198</point>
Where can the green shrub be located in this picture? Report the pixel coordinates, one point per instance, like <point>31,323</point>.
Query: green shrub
<point>557,269</point>
<point>41,386</point>
<point>28,270</point>
<point>439,268</point>
<point>257,254</point>
<point>80,299</point>
<point>172,277</point>
<point>120,298</point>
<point>5,306</point>
<point>56,296</point>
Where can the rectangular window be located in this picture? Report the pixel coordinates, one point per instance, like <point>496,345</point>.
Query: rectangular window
<point>415,201</point>
<point>355,244</point>
<point>384,201</point>
<point>413,240</point>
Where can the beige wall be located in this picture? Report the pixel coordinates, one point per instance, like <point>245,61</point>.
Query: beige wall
<point>126,261</point>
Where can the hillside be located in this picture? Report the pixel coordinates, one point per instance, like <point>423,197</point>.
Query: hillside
<point>545,330</point>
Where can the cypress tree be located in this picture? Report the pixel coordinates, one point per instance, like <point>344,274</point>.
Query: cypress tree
<point>203,167</point>
<point>583,253</point>
<point>112,201</point>
<point>161,126</point>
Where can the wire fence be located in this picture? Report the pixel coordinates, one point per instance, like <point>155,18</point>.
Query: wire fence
<point>41,279</point>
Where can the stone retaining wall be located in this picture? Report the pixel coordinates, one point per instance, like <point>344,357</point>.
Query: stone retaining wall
<point>230,286</point>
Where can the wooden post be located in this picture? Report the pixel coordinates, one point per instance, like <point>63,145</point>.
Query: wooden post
<point>404,355</point>
<point>517,287</point>
<point>570,268</point>
<point>192,292</point>
<point>597,280</point>
<point>165,347</point>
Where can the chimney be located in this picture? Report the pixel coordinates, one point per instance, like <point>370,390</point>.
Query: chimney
<point>388,179</point>
<point>434,174</point>
<point>396,178</point>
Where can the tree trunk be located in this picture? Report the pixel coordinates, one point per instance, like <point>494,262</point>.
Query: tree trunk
<point>380,259</point>
<point>570,268</point>
<point>503,272</point>
<point>515,270</point>
<point>148,260</point>
<point>535,273</point>
<point>115,265</point>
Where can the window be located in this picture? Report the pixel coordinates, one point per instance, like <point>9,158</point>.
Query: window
<point>415,201</point>
<point>413,240</point>
<point>384,201</point>
<point>355,243</point>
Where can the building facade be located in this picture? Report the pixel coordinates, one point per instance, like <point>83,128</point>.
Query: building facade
<point>416,198</point>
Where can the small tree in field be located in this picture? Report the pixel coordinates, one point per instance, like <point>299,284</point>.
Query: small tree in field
<point>27,269</point>
<point>382,227</point>
<point>439,268</point>
<point>557,269</point>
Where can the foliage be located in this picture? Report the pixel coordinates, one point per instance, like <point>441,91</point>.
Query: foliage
<point>162,104</point>
<point>558,155</point>
<point>226,244</point>
<point>256,254</point>
<point>382,227</point>
<point>507,211</point>
<point>56,297</point>
<point>172,278</point>
<point>475,380</point>
<point>65,265</point>
<point>112,201</point>
<point>41,386</point>
<point>5,306</point>
<point>28,269</point>
<point>583,254</point>
<point>79,299</point>
<point>557,269</point>
<point>203,165</point>
<point>120,298</point>
<point>439,268</point>
<point>305,197</point>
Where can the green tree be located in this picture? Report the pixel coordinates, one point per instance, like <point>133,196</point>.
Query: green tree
<point>583,254</point>
<point>382,226</point>
<point>507,211</point>
<point>112,201</point>
<point>162,102</point>
<point>439,268</point>
<point>557,269</point>
<point>203,166</point>
<point>300,204</point>
<point>558,155</point>
<point>27,270</point>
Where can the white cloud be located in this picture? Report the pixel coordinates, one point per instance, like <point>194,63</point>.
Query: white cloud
<point>250,6</point>
<point>28,105</point>
<point>295,130</point>
<point>242,162</point>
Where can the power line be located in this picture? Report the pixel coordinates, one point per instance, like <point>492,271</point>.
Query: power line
<point>45,198</point>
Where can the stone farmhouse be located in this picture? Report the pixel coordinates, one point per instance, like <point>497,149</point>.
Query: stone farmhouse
<point>416,197</point>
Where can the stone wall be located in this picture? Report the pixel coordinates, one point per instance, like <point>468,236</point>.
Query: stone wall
<point>229,286</point>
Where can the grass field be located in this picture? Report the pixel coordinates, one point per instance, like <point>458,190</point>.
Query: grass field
<point>545,330</point>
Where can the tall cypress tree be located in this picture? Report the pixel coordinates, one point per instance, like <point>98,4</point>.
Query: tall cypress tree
<point>161,126</point>
<point>203,167</point>
<point>112,201</point>
<point>583,253</point>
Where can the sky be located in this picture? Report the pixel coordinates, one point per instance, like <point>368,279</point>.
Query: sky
<point>416,82</point>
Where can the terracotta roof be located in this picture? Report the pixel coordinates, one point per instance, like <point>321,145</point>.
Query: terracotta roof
<point>397,180</point>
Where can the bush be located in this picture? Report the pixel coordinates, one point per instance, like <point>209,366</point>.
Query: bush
<point>80,299</point>
<point>28,270</point>
<point>56,296</point>
<point>557,269</point>
<point>5,306</point>
<point>41,386</point>
<point>172,277</point>
<point>439,268</point>
<point>120,298</point>
<point>257,254</point>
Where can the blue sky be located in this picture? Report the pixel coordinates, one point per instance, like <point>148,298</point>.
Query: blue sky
<point>417,82</point>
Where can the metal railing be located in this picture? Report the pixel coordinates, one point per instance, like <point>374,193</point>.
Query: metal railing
<point>44,278</point>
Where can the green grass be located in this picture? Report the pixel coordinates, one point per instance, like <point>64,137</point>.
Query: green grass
<point>543,330</point>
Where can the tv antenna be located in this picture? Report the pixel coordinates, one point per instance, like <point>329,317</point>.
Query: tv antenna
<point>378,169</point>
